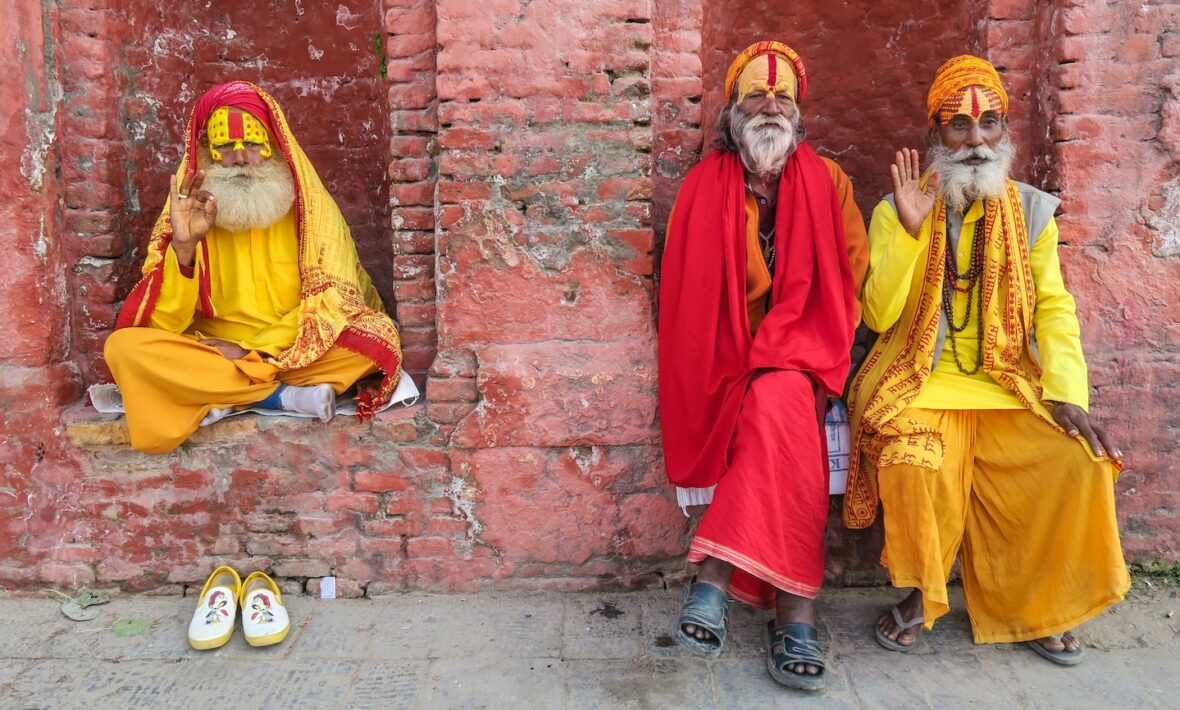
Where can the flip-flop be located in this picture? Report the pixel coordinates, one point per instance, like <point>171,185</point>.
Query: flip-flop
<point>705,606</point>
<point>902,626</point>
<point>1062,657</point>
<point>790,644</point>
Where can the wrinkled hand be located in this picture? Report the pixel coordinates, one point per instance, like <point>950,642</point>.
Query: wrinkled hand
<point>192,211</point>
<point>228,349</point>
<point>913,202</point>
<point>1075,421</point>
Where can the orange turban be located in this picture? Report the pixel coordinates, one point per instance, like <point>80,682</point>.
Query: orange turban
<point>781,70</point>
<point>954,77</point>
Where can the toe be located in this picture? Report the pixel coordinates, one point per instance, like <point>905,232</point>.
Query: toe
<point>812,670</point>
<point>689,629</point>
<point>1051,644</point>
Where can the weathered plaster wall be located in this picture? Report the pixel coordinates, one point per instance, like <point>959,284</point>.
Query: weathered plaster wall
<point>534,149</point>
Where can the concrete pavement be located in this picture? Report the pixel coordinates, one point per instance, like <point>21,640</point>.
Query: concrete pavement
<point>563,650</point>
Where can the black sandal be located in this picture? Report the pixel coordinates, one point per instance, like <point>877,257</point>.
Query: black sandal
<point>704,607</point>
<point>790,644</point>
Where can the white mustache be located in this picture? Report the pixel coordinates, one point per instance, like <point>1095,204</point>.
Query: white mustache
<point>979,152</point>
<point>233,171</point>
<point>763,120</point>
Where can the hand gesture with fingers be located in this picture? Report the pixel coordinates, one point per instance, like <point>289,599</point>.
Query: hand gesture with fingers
<point>1075,421</point>
<point>913,202</point>
<point>192,212</point>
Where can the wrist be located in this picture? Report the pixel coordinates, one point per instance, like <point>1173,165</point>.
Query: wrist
<point>185,254</point>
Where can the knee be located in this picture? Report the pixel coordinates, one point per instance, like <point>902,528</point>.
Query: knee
<point>122,345</point>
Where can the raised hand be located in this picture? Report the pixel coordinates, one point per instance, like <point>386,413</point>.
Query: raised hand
<point>913,202</point>
<point>192,212</point>
<point>1075,421</point>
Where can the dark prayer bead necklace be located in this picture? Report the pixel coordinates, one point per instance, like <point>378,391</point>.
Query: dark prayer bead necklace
<point>970,283</point>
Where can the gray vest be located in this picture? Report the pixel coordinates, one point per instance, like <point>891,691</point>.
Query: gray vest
<point>1039,208</point>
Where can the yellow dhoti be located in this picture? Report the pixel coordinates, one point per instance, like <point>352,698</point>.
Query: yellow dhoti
<point>1030,511</point>
<point>170,382</point>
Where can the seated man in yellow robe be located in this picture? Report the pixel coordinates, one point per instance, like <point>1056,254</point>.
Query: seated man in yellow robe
<point>252,293</point>
<point>969,415</point>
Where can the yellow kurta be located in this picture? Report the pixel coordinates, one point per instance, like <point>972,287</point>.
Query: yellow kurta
<point>255,289</point>
<point>169,381</point>
<point>893,256</point>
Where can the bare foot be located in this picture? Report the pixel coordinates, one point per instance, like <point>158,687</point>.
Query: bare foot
<point>1067,643</point>
<point>792,609</point>
<point>910,608</point>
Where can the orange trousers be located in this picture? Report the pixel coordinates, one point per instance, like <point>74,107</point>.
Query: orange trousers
<point>170,382</point>
<point>1029,509</point>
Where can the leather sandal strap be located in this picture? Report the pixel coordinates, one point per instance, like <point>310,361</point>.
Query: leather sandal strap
<point>795,643</point>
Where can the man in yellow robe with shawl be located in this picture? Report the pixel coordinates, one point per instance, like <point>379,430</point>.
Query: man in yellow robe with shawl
<point>252,292</point>
<point>969,414</point>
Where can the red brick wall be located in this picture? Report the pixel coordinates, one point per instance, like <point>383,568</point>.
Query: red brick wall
<point>1112,122</point>
<point>508,179</point>
<point>413,167</point>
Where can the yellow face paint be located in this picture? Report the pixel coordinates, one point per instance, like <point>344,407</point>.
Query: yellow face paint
<point>231,129</point>
<point>972,101</point>
<point>767,73</point>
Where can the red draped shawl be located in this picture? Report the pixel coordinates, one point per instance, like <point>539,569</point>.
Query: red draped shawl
<point>706,352</point>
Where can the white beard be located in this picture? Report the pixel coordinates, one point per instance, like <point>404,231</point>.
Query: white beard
<point>765,142</point>
<point>248,197</point>
<point>961,183</point>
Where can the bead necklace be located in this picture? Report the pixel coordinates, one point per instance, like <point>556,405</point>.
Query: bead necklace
<point>765,239</point>
<point>970,283</point>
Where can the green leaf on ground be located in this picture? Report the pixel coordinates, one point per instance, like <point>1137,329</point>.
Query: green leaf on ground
<point>130,627</point>
<point>90,598</point>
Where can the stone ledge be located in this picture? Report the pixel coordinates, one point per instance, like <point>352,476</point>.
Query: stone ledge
<point>87,429</point>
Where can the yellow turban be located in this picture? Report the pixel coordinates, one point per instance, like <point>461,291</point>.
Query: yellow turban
<point>952,80</point>
<point>767,67</point>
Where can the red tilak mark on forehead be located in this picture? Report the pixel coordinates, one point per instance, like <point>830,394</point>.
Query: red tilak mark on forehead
<point>237,131</point>
<point>975,110</point>
<point>772,71</point>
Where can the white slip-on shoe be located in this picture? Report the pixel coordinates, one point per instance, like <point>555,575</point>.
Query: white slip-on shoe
<point>264,618</point>
<point>213,621</point>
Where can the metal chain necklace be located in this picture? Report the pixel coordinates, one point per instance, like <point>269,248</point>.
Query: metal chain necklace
<point>970,283</point>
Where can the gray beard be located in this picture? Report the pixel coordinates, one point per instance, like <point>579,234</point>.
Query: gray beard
<point>764,142</point>
<point>962,184</point>
<point>248,197</point>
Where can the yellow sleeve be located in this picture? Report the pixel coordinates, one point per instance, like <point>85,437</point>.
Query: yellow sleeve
<point>177,302</point>
<point>893,255</point>
<point>276,337</point>
<point>1055,320</point>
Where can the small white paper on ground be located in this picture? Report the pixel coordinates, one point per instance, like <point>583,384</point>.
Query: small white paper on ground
<point>327,587</point>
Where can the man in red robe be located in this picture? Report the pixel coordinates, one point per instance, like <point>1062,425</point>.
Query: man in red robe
<point>764,257</point>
